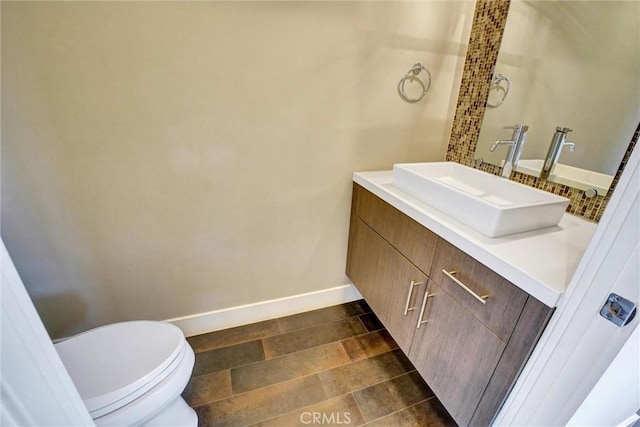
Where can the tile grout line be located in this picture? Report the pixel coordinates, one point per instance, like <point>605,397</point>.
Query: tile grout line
<point>286,355</point>
<point>322,324</point>
<point>397,347</point>
<point>351,393</point>
<point>383,381</point>
<point>293,410</point>
<point>313,404</point>
<point>374,384</point>
<point>242,341</point>
<point>277,321</point>
<point>383,328</point>
<point>260,388</point>
<point>308,375</point>
<point>399,410</point>
<point>364,418</point>
<point>340,340</point>
<point>342,319</point>
<point>294,330</point>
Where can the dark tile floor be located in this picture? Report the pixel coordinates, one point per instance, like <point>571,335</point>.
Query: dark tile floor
<point>333,366</point>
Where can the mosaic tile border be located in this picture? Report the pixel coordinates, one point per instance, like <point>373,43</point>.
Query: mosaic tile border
<point>489,20</point>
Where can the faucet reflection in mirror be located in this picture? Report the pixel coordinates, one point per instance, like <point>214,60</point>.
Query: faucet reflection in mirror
<point>558,142</point>
<point>490,18</point>
<point>515,144</point>
<point>573,64</point>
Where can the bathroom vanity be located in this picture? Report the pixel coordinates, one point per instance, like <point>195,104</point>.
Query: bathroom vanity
<point>466,309</point>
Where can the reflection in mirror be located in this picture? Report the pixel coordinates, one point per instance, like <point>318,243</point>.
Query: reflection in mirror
<point>570,65</point>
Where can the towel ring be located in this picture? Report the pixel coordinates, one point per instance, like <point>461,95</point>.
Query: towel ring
<point>496,81</point>
<point>412,75</point>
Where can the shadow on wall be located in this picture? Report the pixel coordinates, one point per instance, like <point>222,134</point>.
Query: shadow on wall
<point>61,313</point>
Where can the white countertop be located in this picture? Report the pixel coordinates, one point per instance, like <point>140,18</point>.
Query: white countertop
<point>539,262</point>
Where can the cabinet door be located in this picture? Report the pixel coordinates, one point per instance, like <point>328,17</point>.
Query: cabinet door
<point>455,353</point>
<point>390,284</point>
<point>411,239</point>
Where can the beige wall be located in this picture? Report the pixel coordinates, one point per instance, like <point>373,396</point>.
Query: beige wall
<point>166,159</point>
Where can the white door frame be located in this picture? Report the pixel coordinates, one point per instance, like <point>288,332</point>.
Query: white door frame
<point>578,345</point>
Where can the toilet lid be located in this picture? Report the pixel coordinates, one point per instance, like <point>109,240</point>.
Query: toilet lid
<point>112,362</point>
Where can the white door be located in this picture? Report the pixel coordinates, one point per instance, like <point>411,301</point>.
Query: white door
<point>617,392</point>
<point>36,389</point>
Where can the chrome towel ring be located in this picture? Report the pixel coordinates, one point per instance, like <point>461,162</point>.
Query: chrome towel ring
<point>505,91</point>
<point>412,74</point>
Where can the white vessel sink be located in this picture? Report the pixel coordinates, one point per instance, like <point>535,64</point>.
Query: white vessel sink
<point>489,204</point>
<point>582,179</point>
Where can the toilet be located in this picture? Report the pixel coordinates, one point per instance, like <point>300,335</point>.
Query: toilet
<point>132,373</point>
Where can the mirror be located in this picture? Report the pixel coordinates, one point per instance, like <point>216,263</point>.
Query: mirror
<point>571,64</point>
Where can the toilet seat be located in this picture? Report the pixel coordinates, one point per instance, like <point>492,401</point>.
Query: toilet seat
<point>161,406</point>
<point>113,365</point>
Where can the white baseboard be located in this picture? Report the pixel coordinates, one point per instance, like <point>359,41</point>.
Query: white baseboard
<point>216,320</point>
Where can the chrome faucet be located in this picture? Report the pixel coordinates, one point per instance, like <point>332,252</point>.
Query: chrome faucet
<point>516,143</point>
<point>558,142</point>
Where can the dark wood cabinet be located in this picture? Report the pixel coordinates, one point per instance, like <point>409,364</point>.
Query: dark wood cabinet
<point>477,329</point>
<point>415,242</point>
<point>390,284</point>
<point>455,354</point>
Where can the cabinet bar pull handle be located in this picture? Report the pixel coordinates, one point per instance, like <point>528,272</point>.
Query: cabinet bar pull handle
<point>482,299</point>
<point>424,305</point>
<point>412,285</point>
